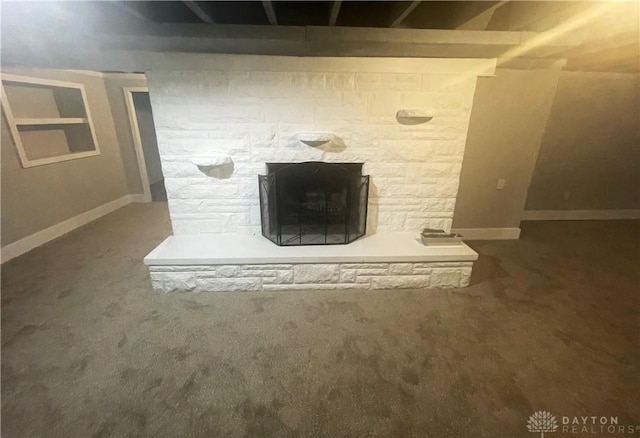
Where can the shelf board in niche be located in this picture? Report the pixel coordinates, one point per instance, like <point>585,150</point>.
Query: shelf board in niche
<point>51,121</point>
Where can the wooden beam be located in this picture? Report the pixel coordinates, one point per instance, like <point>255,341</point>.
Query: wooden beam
<point>271,13</point>
<point>130,10</point>
<point>404,13</point>
<point>149,45</point>
<point>335,10</point>
<point>482,19</point>
<point>198,11</point>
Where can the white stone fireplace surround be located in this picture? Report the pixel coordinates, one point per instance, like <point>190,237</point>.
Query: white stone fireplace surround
<point>255,109</point>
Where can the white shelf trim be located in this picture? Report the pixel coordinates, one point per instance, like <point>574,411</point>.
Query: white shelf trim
<point>51,121</point>
<point>13,124</point>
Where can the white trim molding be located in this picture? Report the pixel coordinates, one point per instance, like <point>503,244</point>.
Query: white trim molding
<point>13,122</point>
<point>99,74</point>
<point>488,233</point>
<point>41,237</point>
<point>579,215</point>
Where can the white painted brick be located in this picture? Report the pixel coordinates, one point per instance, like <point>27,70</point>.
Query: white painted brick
<point>383,104</point>
<point>445,277</point>
<point>429,215</point>
<point>220,278</point>
<point>422,271</point>
<point>226,271</point>
<point>364,265</point>
<point>424,190</point>
<point>253,117</point>
<point>318,286</point>
<point>371,271</point>
<point>394,219</point>
<point>395,82</point>
<point>316,273</point>
<point>285,110</point>
<point>333,113</point>
<point>347,275</point>
<point>192,282</point>
<point>254,274</point>
<point>384,169</point>
<point>204,226</point>
<point>400,268</point>
<point>284,277</point>
<point>443,265</point>
<point>277,267</point>
<point>400,281</point>
<point>432,170</point>
<point>465,276</point>
<point>340,81</point>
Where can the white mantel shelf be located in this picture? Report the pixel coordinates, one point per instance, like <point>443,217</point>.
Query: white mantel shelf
<point>223,249</point>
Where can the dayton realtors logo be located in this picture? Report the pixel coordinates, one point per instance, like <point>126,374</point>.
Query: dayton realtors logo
<point>543,422</point>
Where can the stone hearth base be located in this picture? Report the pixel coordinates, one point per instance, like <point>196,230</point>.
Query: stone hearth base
<point>309,276</point>
<point>227,262</point>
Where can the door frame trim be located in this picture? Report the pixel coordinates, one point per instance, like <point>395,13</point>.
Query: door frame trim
<point>137,140</point>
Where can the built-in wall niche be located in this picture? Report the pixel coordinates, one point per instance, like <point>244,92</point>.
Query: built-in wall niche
<point>49,120</point>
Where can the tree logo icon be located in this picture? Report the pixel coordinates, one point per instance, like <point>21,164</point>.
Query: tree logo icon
<point>542,421</point>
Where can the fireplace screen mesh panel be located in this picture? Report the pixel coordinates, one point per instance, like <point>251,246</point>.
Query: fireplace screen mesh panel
<point>313,203</point>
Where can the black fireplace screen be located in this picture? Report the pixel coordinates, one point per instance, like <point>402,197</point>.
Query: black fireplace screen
<point>313,203</point>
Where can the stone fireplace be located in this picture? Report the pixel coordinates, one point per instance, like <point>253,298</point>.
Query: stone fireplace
<point>384,136</point>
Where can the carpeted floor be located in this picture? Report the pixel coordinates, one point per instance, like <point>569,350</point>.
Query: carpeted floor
<point>550,322</point>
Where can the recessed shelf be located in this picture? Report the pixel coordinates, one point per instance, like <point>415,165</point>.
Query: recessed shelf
<point>51,121</point>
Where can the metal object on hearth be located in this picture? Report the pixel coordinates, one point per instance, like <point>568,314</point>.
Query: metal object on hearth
<point>434,237</point>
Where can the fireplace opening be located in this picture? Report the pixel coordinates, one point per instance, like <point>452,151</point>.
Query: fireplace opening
<point>313,203</point>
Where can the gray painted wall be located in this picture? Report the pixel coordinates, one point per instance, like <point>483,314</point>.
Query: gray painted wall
<point>39,197</point>
<point>507,123</point>
<point>590,153</point>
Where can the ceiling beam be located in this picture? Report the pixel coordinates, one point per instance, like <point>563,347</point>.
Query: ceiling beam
<point>481,20</point>
<point>271,13</point>
<point>130,10</point>
<point>198,11</point>
<point>335,10</point>
<point>404,13</point>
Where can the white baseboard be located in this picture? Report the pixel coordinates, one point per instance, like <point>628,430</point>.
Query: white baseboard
<point>578,215</point>
<point>28,243</point>
<point>488,233</point>
<point>139,198</point>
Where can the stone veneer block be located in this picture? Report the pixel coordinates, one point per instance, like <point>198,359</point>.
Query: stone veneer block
<point>316,273</point>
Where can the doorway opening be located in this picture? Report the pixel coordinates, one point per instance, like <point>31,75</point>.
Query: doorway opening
<point>146,144</point>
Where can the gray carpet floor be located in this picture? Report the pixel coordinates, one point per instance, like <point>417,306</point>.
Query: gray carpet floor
<point>550,322</point>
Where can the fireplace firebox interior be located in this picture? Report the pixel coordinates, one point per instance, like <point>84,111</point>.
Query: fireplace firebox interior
<point>313,203</point>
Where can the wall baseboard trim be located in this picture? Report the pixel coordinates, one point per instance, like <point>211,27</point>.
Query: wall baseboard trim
<point>139,198</point>
<point>579,215</point>
<point>488,233</point>
<point>39,238</point>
